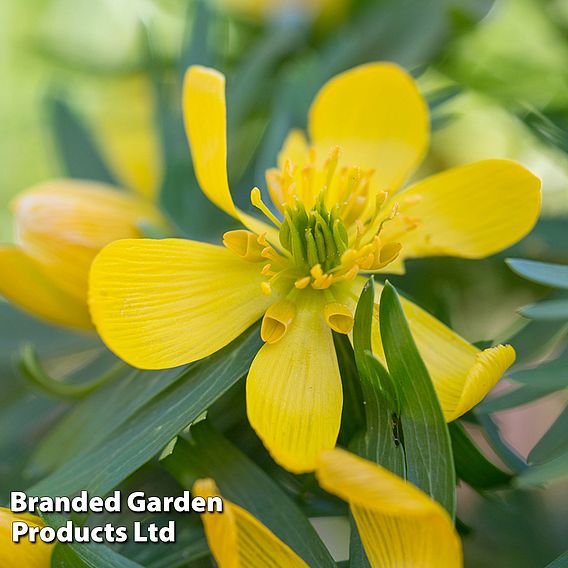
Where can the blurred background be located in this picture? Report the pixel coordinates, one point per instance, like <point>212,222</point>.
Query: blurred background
<point>91,89</point>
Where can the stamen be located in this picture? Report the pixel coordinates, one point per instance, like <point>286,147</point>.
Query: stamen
<point>302,283</point>
<point>256,200</point>
<point>244,244</point>
<point>266,288</point>
<point>338,317</point>
<point>276,321</point>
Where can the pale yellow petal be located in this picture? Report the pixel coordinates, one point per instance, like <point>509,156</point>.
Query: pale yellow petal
<point>164,303</point>
<point>239,540</point>
<point>375,113</point>
<point>23,554</point>
<point>461,373</point>
<point>400,526</point>
<point>470,211</point>
<point>205,116</point>
<point>25,283</point>
<point>62,225</point>
<point>295,149</point>
<point>294,395</point>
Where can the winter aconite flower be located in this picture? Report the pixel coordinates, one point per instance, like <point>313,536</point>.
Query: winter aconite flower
<point>238,540</point>
<point>60,227</point>
<point>23,554</point>
<point>399,525</point>
<point>339,212</point>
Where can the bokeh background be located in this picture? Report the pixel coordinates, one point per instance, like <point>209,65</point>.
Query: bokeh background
<point>91,89</point>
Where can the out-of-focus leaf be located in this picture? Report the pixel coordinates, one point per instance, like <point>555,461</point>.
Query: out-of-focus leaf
<point>554,275</point>
<point>549,376</point>
<point>546,129</point>
<point>471,465</point>
<point>553,470</point>
<point>553,443</point>
<point>552,310</point>
<point>77,150</point>
<point>87,555</point>
<point>560,562</point>
<point>517,397</point>
<point>426,441</point>
<point>509,456</point>
<point>148,431</point>
<point>209,454</point>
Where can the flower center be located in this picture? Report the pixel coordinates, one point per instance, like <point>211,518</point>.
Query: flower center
<point>330,229</point>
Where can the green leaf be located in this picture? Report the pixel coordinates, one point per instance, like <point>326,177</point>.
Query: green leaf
<point>553,443</point>
<point>471,465</point>
<point>560,562</point>
<point>514,398</point>
<point>377,442</point>
<point>553,470</point>
<point>209,454</point>
<point>147,432</point>
<point>77,150</point>
<point>551,376</point>
<point>87,555</point>
<point>427,447</point>
<point>554,275</point>
<point>548,311</point>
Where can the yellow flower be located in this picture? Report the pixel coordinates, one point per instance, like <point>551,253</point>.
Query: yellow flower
<point>23,554</point>
<point>399,525</point>
<point>60,227</point>
<point>340,212</point>
<point>237,539</point>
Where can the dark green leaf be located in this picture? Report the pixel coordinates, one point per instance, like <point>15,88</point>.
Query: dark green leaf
<point>77,150</point>
<point>427,447</point>
<point>554,275</point>
<point>208,454</point>
<point>148,431</point>
<point>471,465</point>
<point>88,555</point>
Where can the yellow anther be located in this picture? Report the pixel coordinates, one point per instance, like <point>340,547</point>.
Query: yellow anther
<point>302,283</point>
<point>266,288</point>
<point>266,270</point>
<point>244,244</point>
<point>389,252</point>
<point>316,271</point>
<point>261,239</point>
<point>352,272</point>
<point>256,200</point>
<point>276,321</point>
<point>338,317</point>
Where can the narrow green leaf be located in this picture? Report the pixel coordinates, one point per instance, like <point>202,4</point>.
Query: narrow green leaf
<point>548,376</point>
<point>77,150</point>
<point>554,275</point>
<point>377,442</point>
<point>524,394</point>
<point>427,447</point>
<point>553,443</point>
<point>548,311</point>
<point>209,454</point>
<point>553,470</point>
<point>87,555</point>
<point>560,562</point>
<point>148,431</point>
<point>471,465</point>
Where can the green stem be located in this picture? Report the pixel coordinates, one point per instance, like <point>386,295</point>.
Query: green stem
<point>31,368</point>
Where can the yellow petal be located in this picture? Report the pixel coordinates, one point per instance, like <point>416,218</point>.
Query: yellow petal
<point>295,149</point>
<point>377,116</point>
<point>399,525</point>
<point>23,554</point>
<point>461,373</point>
<point>25,284</point>
<point>239,540</point>
<point>470,211</point>
<point>294,395</point>
<point>205,117</point>
<point>63,224</point>
<point>164,303</point>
